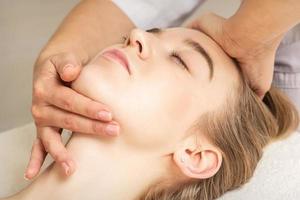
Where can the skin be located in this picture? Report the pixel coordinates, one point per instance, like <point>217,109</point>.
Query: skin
<point>68,50</point>
<point>250,36</point>
<point>175,93</point>
<point>157,129</point>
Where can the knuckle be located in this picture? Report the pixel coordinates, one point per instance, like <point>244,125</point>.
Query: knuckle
<point>50,145</point>
<point>37,114</point>
<point>38,91</point>
<point>47,145</point>
<point>89,111</point>
<point>37,142</point>
<point>67,104</point>
<point>55,155</point>
<point>53,59</point>
<point>34,111</point>
<point>34,160</point>
<point>71,57</point>
<point>69,123</point>
<point>97,127</point>
<point>59,156</point>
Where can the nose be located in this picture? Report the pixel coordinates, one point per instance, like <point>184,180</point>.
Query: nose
<point>139,39</point>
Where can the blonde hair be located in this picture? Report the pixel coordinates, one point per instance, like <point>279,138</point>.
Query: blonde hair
<point>240,131</point>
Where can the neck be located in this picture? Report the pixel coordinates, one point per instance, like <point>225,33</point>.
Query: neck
<point>103,171</point>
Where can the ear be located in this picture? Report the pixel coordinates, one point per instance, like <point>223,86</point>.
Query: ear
<point>199,162</point>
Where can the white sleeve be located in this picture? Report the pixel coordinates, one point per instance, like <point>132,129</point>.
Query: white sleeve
<point>147,14</point>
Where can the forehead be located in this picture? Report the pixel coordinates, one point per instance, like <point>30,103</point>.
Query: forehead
<point>226,75</point>
<point>223,64</point>
<point>180,34</point>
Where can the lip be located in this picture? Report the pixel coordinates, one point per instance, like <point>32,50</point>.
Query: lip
<point>117,56</point>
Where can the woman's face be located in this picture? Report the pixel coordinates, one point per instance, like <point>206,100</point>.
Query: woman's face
<point>165,92</point>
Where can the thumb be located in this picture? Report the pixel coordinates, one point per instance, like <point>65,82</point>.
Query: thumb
<point>259,73</point>
<point>210,24</point>
<point>67,66</point>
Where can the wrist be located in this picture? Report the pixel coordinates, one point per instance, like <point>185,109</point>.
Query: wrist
<point>247,40</point>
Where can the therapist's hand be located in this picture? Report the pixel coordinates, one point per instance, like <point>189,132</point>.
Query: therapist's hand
<point>254,56</point>
<point>55,106</point>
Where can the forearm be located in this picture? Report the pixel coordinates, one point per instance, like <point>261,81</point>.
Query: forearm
<point>89,27</point>
<point>263,20</point>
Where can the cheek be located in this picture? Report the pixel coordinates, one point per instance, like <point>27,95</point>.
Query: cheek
<point>153,111</point>
<point>102,82</point>
<point>155,115</point>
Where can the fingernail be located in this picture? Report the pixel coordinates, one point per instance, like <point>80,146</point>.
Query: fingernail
<point>66,168</point>
<point>112,129</point>
<point>71,166</point>
<point>104,115</point>
<point>67,66</point>
<point>27,173</point>
<point>25,177</point>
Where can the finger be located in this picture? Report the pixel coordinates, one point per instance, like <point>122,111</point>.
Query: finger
<point>77,123</point>
<point>37,158</point>
<point>259,73</point>
<point>67,65</point>
<point>210,24</point>
<point>69,100</point>
<point>53,144</point>
<point>261,85</point>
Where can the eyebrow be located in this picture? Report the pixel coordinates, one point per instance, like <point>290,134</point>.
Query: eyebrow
<point>154,30</point>
<point>196,47</point>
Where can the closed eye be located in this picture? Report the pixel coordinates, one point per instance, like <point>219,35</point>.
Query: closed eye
<point>179,60</point>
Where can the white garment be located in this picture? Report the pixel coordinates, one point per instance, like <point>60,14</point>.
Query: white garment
<point>279,170</point>
<point>157,13</point>
<point>166,13</point>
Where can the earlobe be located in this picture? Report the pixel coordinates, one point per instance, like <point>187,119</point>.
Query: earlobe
<point>199,163</point>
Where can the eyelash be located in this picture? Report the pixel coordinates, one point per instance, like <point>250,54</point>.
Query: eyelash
<point>173,54</point>
<point>177,56</point>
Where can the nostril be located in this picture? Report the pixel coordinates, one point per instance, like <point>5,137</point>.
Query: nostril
<point>140,46</point>
<point>128,41</point>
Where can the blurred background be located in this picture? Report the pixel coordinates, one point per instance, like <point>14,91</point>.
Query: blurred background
<point>25,27</point>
